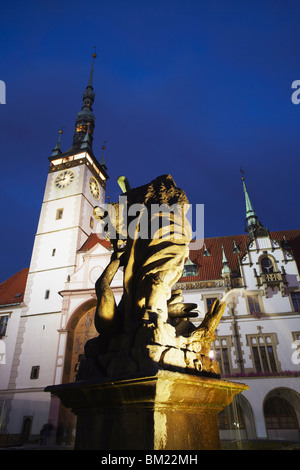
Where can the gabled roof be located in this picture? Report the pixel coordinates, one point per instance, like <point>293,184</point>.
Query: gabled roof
<point>12,290</point>
<point>92,241</point>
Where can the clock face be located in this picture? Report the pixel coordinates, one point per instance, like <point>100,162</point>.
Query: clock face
<point>94,188</point>
<point>64,179</point>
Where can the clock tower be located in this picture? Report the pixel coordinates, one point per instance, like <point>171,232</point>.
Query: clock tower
<point>75,185</point>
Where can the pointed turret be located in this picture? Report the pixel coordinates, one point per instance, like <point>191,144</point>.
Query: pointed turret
<point>102,162</point>
<point>57,150</point>
<point>226,269</point>
<point>86,143</point>
<point>205,251</point>
<point>253,226</point>
<point>235,248</point>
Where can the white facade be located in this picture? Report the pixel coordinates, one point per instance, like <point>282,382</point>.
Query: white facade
<point>32,343</point>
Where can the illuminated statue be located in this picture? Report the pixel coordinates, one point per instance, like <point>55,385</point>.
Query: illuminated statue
<point>150,327</point>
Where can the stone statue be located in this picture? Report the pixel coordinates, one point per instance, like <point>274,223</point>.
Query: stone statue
<point>150,328</point>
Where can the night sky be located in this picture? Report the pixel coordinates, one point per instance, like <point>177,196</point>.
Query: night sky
<point>193,88</point>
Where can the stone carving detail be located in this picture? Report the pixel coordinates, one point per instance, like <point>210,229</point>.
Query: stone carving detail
<point>150,328</point>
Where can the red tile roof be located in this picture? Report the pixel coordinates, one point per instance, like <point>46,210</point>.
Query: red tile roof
<point>210,267</point>
<point>12,290</point>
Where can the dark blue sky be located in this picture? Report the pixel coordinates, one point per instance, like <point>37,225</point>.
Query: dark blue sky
<point>193,88</point>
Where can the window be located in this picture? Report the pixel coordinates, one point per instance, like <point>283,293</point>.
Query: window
<point>222,351</point>
<point>53,251</point>
<point>190,269</point>
<point>35,370</point>
<point>254,305</point>
<point>264,358</point>
<point>263,349</point>
<point>59,214</point>
<point>295,297</point>
<point>26,426</point>
<point>3,324</point>
<point>47,294</point>
<point>210,301</point>
<point>266,265</point>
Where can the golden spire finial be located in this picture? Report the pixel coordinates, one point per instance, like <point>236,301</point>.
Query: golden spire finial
<point>242,172</point>
<point>94,55</point>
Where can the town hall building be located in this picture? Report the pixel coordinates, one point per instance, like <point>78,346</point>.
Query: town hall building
<point>47,310</point>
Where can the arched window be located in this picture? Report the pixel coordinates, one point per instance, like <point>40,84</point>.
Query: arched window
<point>266,265</point>
<point>279,414</point>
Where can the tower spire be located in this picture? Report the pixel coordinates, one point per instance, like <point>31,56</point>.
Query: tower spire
<point>253,226</point>
<point>90,84</point>
<point>86,115</point>
<point>250,212</point>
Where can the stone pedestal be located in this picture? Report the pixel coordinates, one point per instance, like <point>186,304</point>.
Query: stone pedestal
<point>166,411</point>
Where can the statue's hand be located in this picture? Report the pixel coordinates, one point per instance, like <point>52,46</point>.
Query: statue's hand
<point>181,310</point>
<point>178,309</point>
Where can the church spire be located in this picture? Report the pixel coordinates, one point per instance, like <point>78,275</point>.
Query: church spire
<point>86,116</point>
<point>90,84</point>
<point>253,226</point>
<point>251,216</point>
